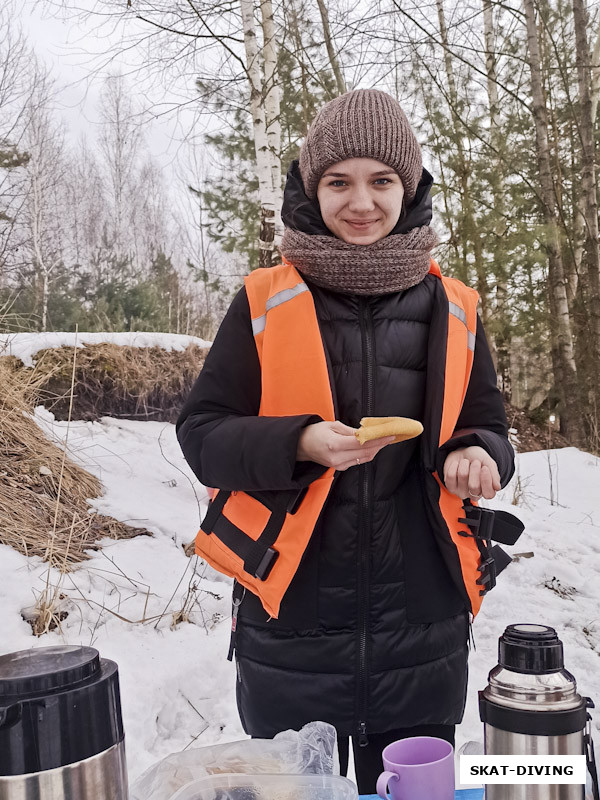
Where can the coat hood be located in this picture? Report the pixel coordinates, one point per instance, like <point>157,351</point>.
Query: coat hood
<point>303,214</point>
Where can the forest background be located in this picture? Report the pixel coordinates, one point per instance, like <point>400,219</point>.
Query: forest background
<point>504,99</point>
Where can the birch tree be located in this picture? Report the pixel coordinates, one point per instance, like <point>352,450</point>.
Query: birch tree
<point>44,141</point>
<point>272,104</point>
<point>579,234</point>
<point>19,77</point>
<point>588,209</point>
<point>150,228</point>
<point>85,205</point>
<point>257,65</point>
<point>567,374</point>
<point>498,155</point>
<point>120,145</point>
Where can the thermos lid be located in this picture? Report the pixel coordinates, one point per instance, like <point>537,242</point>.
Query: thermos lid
<point>45,670</point>
<point>531,649</point>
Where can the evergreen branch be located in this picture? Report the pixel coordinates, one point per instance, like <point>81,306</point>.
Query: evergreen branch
<point>451,51</point>
<point>478,137</point>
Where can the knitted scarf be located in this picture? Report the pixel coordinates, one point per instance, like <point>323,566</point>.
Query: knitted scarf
<point>391,264</point>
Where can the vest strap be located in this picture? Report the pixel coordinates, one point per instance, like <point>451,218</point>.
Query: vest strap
<point>262,556</point>
<point>259,556</point>
<point>232,537</point>
<point>214,511</point>
<point>499,526</point>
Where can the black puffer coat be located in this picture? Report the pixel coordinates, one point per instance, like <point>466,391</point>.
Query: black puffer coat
<point>373,630</point>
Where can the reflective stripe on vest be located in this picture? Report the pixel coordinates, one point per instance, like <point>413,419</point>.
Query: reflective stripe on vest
<point>284,321</point>
<point>283,296</point>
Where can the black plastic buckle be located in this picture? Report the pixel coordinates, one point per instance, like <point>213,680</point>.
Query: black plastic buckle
<point>479,520</point>
<point>487,569</point>
<point>296,501</point>
<point>266,564</point>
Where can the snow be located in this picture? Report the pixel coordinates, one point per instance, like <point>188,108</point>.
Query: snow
<point>25,345</point>
<point>177,687</point>
<point>558,494</point>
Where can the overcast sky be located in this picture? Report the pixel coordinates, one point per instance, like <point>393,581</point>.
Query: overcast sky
<point>80,53</point>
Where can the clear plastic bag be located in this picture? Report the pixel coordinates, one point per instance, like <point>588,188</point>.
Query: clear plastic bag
<point>309,751</point>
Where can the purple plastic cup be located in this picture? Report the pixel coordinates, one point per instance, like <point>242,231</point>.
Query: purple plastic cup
<point>419,768</point>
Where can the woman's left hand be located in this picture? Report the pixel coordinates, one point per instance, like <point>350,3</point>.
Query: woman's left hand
<point>471,472</point>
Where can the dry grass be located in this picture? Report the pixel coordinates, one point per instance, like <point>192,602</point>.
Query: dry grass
<point>43,495</point>
<point>147,383</point>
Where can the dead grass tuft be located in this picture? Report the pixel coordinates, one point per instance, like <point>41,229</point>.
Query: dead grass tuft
<point>147,383</point>
<point>40,513</point>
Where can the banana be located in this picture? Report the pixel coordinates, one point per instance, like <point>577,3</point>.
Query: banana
<point>377,427</point>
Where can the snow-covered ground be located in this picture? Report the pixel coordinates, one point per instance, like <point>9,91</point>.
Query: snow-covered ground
<point>26,345</point>
<point>177,686</point>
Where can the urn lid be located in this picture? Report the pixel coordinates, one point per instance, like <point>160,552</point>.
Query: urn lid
<point>531,649</point>
<point>45,670</point>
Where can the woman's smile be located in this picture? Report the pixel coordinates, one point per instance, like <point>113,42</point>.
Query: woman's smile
<point>361,223</point>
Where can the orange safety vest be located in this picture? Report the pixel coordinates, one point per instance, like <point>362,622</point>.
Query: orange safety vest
<point>260,542</point>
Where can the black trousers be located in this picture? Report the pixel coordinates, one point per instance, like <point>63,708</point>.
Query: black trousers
<point>367,760</point>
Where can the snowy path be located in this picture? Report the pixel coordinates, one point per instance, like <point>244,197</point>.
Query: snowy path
<point>177,687</point>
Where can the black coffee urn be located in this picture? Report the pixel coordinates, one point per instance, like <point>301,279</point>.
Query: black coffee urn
<point>61,731</point>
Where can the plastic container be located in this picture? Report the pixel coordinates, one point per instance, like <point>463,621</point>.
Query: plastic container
<point>269,787</point>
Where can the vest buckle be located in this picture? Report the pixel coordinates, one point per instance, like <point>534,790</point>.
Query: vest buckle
<point>266,564</point>
<point>480,521</point>
<point>487,580</point>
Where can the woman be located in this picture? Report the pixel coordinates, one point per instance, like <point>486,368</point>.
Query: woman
<point>371,633</point>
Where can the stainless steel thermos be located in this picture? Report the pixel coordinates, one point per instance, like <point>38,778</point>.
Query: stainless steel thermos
<point>61,731</point>
<point>531,707</point>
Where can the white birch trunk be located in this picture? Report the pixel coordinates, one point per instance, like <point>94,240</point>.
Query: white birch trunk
<point>588,190</point>
<point>45,298</point>
<point>37,227</point>
<point>566,382</point>
<point>595,77</point>
<point>120,141</point>
<point>490,67</point>
<point>273,110</point>
<point>579,231</point>
<point>261,144</point>
<point>502,338</point>
<point>40,191</point>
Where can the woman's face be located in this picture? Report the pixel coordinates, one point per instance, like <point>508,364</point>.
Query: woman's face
<point>360,199</point>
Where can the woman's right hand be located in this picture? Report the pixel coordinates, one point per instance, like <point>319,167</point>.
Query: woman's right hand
<point>334,444</point>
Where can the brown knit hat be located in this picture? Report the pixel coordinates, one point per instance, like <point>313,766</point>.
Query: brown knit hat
<point>365,123</point>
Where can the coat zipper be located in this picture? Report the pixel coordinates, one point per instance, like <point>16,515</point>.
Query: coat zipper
<point>365,481</point>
